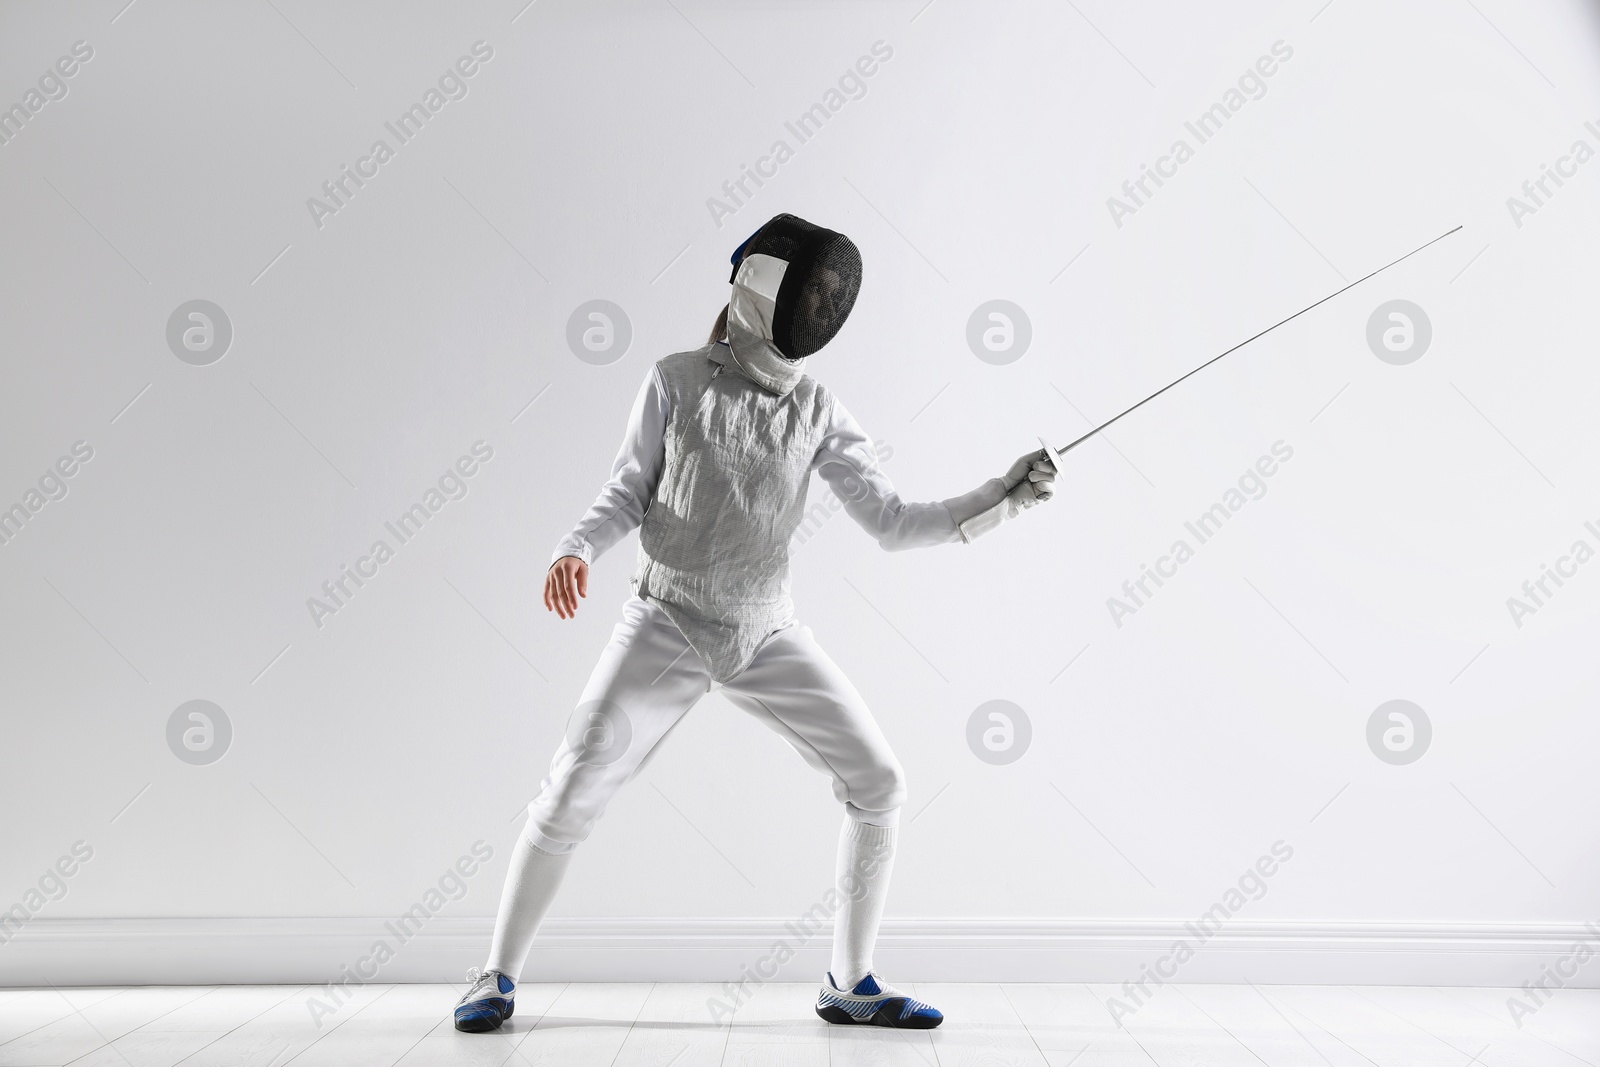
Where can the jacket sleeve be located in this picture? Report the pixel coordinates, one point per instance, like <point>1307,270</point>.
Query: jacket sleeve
<point>622,502</point>
<point>847,461</point>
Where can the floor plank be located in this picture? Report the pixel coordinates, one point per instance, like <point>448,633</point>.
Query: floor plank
<point>676,1026</point>
<point>222,1008</point>
<point>878,1046</point>
<point>1176,1032</point>
<point>282,1031</point>
<point>587,1023</point>
<point>57,1042</point>
<point>148,1048</point>
<point>778,1024</point>
<point>1070,1025</point>
<point>1567,1023</point>
<point>380,1031</point>
<point>1269,1031</point>
<point>980,1027</point>
<point>28,1013</point>
<point>1496,1041</point>
<point>81,997</point>
<point>1380,1036</point>
<point>372,1042</point>
<point>140,1006</point>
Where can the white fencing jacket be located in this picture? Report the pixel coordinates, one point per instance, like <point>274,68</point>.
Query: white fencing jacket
<point>727,634</point>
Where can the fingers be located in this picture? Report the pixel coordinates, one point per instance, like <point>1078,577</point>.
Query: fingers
<point>554,591</point>
<point>1043,483</point>
<point>565,581</point>
<point>558,603</point>
<point>1023,468</point>
<point>569,601</point>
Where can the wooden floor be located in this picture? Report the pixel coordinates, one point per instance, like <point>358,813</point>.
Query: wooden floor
<point>671,1026</point>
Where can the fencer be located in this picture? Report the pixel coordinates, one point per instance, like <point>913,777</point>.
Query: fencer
<point>713,471</point>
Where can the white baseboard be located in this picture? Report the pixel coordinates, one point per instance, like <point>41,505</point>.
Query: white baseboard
<point>316,951</point>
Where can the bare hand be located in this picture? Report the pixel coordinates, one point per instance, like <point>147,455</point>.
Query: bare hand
<point>566,581</point>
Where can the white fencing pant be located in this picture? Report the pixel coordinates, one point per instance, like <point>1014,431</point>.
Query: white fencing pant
<point>648,678</point>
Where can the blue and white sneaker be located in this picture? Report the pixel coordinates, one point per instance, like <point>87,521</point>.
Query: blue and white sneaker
<point>874,1002</point>
<point>487,1003</point>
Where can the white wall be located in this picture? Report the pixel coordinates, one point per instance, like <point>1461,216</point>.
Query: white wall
<point>371,752</point>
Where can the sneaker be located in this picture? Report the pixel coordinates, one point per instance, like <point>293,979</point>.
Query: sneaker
<point>488,1002</point>
<point>875,1002</point>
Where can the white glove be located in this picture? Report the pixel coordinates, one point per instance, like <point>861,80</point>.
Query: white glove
<point>1030,480</point>
<point>1034,472</point>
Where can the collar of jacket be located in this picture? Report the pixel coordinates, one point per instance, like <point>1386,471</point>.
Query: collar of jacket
<point>755,359</point>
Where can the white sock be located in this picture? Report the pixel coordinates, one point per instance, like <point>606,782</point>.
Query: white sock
<point>531,882</point>
<point>866,858</point>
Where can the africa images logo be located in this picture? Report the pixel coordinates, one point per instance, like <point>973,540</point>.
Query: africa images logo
<point>452,485</point>
<point>338,191</point>
<point>52,86</point>
<point>852,85</point>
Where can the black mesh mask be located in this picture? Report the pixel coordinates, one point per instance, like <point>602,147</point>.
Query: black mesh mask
<point>819,286</point>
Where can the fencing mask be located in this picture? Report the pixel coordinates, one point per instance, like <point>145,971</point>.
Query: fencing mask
<point>793,286</point>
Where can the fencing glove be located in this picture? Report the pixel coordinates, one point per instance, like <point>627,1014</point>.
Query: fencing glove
<point>1030,480</point>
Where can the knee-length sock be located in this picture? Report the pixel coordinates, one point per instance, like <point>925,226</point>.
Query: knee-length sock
<point>866,858</point>
<point>531,882</point>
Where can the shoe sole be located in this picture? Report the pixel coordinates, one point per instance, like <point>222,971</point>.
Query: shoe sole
<point>486,1023</point>
<point>882,1017</point>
